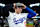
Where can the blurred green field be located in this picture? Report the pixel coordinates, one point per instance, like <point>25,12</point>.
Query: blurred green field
<point>30,24</point>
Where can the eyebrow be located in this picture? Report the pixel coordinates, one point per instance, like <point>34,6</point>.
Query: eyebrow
<point>20,6</point>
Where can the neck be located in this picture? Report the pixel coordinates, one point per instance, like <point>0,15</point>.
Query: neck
<point>17,12</point>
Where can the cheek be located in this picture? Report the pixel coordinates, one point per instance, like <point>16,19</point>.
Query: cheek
<point>20,10</point>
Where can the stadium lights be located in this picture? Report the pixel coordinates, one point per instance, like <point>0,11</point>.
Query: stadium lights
<point>2,4</point>
<point>36,4</point>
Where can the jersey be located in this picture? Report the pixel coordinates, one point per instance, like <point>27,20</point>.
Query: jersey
<point>17,20</point>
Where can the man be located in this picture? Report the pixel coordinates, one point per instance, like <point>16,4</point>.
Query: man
<point>17,19</point>
<point>36,24</point>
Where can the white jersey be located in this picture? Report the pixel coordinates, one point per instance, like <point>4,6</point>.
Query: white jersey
<point>17,20</point>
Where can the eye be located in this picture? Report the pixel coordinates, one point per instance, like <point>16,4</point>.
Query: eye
<point>21,7</point>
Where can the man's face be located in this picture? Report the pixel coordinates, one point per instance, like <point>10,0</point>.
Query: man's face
<point>36,21</point>
<point>19,9</point>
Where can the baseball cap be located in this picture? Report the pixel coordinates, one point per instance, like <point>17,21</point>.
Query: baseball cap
<point>19,5</point>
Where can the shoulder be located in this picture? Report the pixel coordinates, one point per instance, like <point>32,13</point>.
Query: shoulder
<point>11,14</point>
<point>25,13</point>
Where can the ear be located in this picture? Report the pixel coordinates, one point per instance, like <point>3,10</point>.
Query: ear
<point>14,7</point>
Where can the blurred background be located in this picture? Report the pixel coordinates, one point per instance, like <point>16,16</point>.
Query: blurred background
<point>32,4</point>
